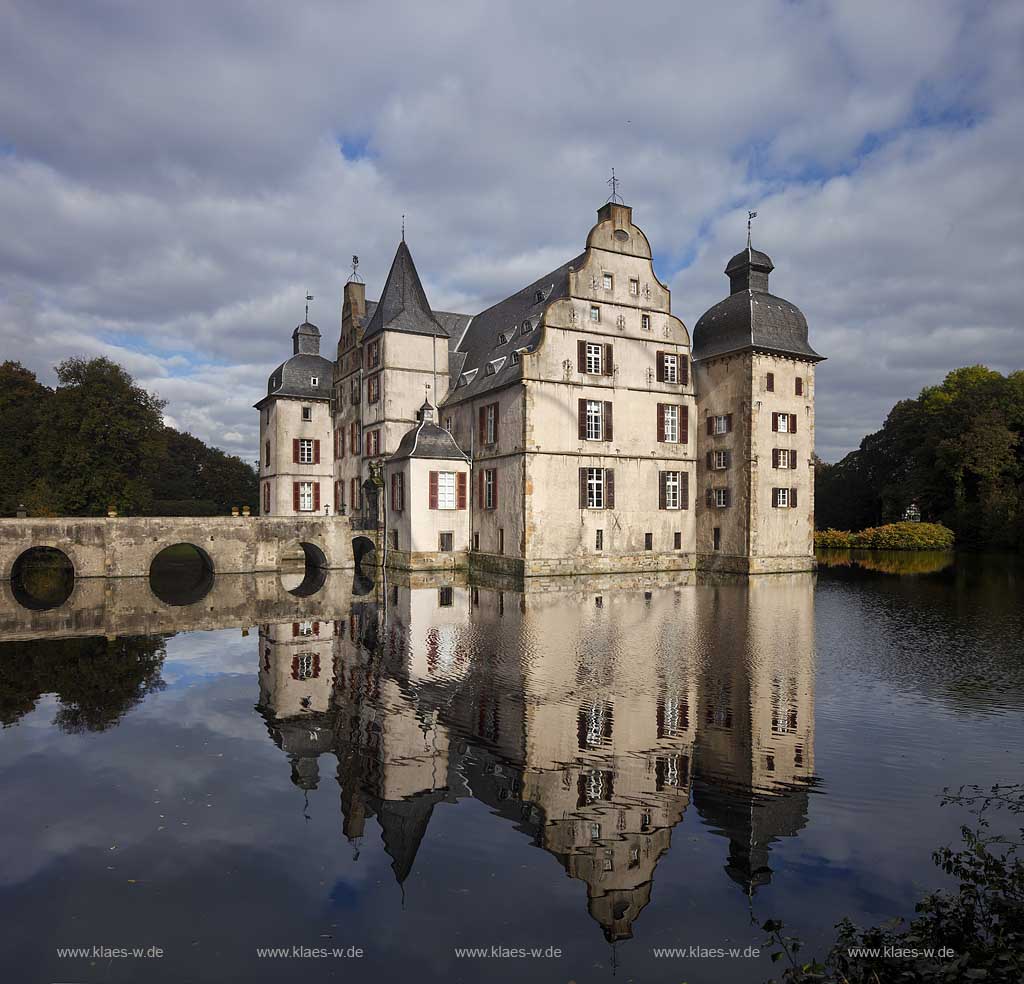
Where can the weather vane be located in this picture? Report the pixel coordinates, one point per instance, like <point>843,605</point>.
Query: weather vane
<point>309,297</point>
<point>750,218</point>
<point>403,227</point>
<point>355,278</point>
<point>613,183</point>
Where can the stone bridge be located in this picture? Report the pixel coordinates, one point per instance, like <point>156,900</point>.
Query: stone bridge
<point>126,546</point>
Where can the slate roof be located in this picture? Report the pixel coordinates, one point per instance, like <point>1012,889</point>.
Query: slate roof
<point>751,317</point>
<point>481,346</point>
<point>291,378</point>
<point>428,440</point>
<point>403,304</point>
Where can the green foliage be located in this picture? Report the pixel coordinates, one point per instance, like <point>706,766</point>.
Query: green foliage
<point>98,440</point>
<point>956,452</point>
<point>975,933</point>
<point>892,536</point>
<point>888,561</point>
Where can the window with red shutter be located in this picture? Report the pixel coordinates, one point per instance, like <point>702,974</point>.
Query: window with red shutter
<point>684,424</point>
<point>295,450</point>
<point>295,496</point>
<point>480,489</point>
<point>609,488</point>
<point>799,386</point>
<point>792,423</point>
<point>728,423</point>
<point>581,355</point>
<point>607,422</point>
<point>775,457</point>
<point>662,494</point>
<point>582,420</point>
<point>659,367</point>
<point>583,488</point>
<point>661,422</point>
<point>792,498</point>
<point>460,490</point>
<point>432,493</point>
<point>684,370</point>
<point>607,364</point>
<point>710,425</point>
<point>316,497</point>
<point>316,452</point>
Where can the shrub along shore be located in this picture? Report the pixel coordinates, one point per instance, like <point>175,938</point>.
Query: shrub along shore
<point>893,536</point>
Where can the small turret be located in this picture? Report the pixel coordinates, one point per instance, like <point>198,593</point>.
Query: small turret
<point>306,339</point>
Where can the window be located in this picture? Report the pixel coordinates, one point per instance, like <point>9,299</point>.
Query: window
<point>784,458</point>
<point>671,367</point>
<point>634,287</point>
<point>670,490</point>
<point>445,490</point>
<point>373,388</point>
<point>716,538</point>
<point>645,322</point>
<point>769,382</point>
<point>799,386</point>
<point>782,423</point>
<point>677,540</point>
<point>595,431</point>
<point>354,392</point>
<point>515,358</point>
<point>501,540</point>
<point>445,541</point>
<point>357,495</point>
<point>354,437</point>
<point>305,496</point>
<point>721,498</point>
<point>490,479</point>
<point>595,313</point>
<point>373,355</point>
<point>594,363</point>
<point>307,413</point>
<point>502,338</point>
<point>648,541</point>
<point>305,451</point>
<point>781,498</point>
<point>445,597</point>
<point>722,423</point>
<point>607,282</point>
<point>721,460</point>
<point>489,424</point>
<point>373,443</point>
<point>670,423</point>
<point>303,629</point>
<point>266,448</point>
<point>266,497</point>
<point>595,488</point>
<point>527,327</point>
<point>394,540</point>
<point>449,423</point>
<point>398,492</point>
<point>599,540</point>
<point>476,541</point>
<point>314,380</point>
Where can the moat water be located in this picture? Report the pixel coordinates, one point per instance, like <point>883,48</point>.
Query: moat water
<point>377,780</point>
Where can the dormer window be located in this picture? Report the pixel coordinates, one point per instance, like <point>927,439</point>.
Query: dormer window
<point>539,296</point>
<point>314,380</point>
<point>515,358</point>
<point>527,327</point>
<point>489,371</point>
<point>502,338</point>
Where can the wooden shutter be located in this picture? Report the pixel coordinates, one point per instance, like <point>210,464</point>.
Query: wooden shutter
<point>775,457</point>
<point>775,498</point>
<point>769,383</point>
<point>316,452</point>
<point>341,443</point>
<point>480,488</point>
<point>582,421</point>
<point>728,497</point>
<point>728,423</point>
<point>460,490</point>
<point>684,424</point>
<point>295,496</point>
<point>583,488</point>
<point>711,426</point>
<point>775,422</point>
<point>433,490</point>
<point>609,488</point>
<point>316,497</point>
<point>607,422</point>
<point>354,437</point>
<point>792,423</point>
<point>295,450</point>
<point>266,497</point>
<point>607,362</point>
<point>659,370</point>
<point>709,498</point>
<point>792,498</point>
<point>684,490</point>
<point>494,490</point>
<point>495,423</point>
<point>661,421</point>
<point>482,427</point>
<point>295,629</point>
<point>394,493</point>
<point>728,459</point>
<point>581,355</point>
<point>799,386</point>
<point>662,494</point>
<point>684,370</point>
<point>710,460</point>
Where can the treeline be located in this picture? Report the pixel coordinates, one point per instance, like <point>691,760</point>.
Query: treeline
<point>956,452</point>
<point>98,440</point>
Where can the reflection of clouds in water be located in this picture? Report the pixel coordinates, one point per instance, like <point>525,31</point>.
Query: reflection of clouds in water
<point>198,655</point>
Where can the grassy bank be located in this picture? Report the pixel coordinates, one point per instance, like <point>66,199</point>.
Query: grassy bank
<point>893,536</point>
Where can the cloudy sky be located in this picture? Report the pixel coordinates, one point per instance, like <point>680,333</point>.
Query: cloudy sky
<point>174,177</point>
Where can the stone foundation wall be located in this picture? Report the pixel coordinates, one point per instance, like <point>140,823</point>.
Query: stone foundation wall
<point>724,564</point>
<point>403,560</point>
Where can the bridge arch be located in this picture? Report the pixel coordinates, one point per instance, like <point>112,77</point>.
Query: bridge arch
<point>181,574</point>
<point>304,567</point>
<point>42,578</point>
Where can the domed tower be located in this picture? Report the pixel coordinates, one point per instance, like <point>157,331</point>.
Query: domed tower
<point>754,374</point>
<point>296,445</point>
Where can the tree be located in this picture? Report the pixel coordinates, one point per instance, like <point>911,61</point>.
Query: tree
<point>24,404</point>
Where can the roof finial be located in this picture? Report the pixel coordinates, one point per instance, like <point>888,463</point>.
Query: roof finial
<point>309,297</point>
<point>750,218</point>
<point>613,183</point>
<point>403,227</point>
<point>355,278</point>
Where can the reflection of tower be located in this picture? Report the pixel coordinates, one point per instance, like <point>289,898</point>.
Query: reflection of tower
<point>296,680</point>
<point>755,748</point>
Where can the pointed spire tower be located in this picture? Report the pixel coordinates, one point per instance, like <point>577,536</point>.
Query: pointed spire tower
<point>403,305</point>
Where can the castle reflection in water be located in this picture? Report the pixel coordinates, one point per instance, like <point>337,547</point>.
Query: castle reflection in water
<point>591,714</point>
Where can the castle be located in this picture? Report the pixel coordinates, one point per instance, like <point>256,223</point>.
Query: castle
<point>578,428</point>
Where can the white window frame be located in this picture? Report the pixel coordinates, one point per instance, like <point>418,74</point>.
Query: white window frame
<point>305,451</point>
<point>595,488</point>
<point>645,322</point>
<point>781,498</point>
<point>593,362</point>
<point>785,460</point>
<point>670,364</point>
<point>721,424</point>
<point>782,420</point>
<point>721,498</point>
<point>670,422</point>
<point>721,460</point>
<point>304,665</point>
<point>607,281</point>
<point>490,478</point>
<point>305,496</point>
<point>491,424</point>
<point>634,287</point>
<point>595,420</point>
<point>673,484</point>
<point>314,380</point>
<point>441,548</point>
<point>446,490</point>
<point>595,314</point>
<point>305,628</point>
<point>307,413</point>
